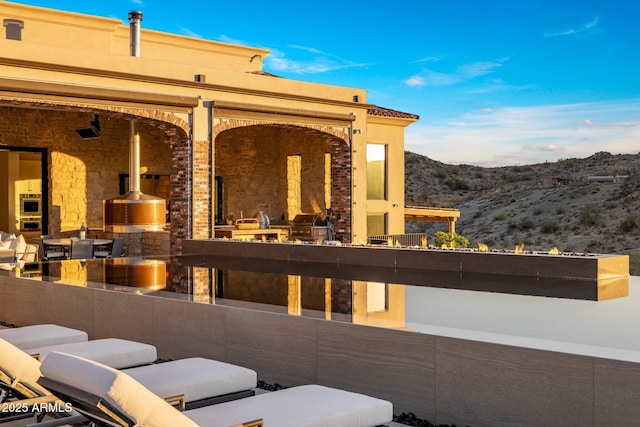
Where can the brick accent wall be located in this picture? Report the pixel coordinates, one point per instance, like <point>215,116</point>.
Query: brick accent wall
<point>202,191</point>
<point>341,189</point>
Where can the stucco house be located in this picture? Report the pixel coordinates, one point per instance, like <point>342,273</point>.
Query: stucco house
<point>83,98</point>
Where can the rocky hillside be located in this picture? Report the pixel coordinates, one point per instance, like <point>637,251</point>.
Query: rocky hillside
<point>578,205</point>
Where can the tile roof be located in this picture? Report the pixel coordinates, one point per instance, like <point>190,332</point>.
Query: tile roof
<point>387,112</point>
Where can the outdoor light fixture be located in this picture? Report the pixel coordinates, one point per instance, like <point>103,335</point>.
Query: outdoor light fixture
<point>91,132</point>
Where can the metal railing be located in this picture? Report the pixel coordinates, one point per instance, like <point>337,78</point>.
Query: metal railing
<point>407,239</point>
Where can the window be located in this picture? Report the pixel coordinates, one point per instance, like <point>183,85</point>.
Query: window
<point>13,29</point>
<point>376,224</point>
<point>377,297</point>
<point>294,182</point>
<point>376,172</point>
<point>327,180</point>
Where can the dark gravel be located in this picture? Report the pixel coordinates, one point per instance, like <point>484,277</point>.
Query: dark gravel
<point>409,418</point>
<point>7,325</point>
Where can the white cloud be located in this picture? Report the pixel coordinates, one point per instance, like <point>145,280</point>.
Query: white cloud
<point>230,40</point>
<point>477,69</point>
<point>414,81</point>
<point>465,72</point>
<point>188,32</point>
<point>426,59</point>
<point>318,62</point>
<point>307,49</point>
<point>528,135</point>
<point>548,148</point>
<point>586,27</point>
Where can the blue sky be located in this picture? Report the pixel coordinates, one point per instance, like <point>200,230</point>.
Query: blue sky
<point>495,82</point>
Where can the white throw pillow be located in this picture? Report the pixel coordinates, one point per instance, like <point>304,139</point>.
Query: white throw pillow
<point>5,245</point>
<point>19,245</point>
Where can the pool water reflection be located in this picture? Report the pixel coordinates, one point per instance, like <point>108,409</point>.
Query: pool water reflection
<point>312,294</point>
<point>371,296</point>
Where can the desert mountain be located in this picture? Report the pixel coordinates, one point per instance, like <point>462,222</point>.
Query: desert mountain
<point>578,205</point>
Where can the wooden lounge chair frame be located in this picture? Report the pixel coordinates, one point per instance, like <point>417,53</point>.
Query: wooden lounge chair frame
<point>23,394</point>
<point>26,400</point>
<point>100,411</point>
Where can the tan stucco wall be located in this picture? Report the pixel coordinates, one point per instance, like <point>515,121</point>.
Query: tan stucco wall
<point>381,130</point>
<point>61,51</point>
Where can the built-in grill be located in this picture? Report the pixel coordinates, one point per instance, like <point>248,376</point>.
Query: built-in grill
<point>309,227</point>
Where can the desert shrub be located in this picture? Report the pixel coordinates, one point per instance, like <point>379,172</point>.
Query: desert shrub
<point>549,227</point>
<point>538,211</point>
<point>634,264</point>
<point>499,217</point>
<point>456,184</point>
<point>440,174</point>
<point>588,214</point>
<point>628,224</point>
<point>525,223</point>
<point>517,173</point>
<point>410,158</point>
<point>569,163</point>
<point>442,238</point>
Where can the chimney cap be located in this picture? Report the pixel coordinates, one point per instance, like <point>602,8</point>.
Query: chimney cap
<point>135,15</point>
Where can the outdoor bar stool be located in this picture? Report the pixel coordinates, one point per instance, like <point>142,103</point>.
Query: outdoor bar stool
<point>49,252</point>
<point>113,250</point>
<point>81,249</point>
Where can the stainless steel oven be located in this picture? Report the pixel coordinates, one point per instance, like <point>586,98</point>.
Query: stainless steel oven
<point>30,205</point>
<point>31,224</point>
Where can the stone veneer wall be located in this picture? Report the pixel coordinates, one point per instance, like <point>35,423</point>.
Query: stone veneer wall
<point>252,162</point>
<point>82,173</point>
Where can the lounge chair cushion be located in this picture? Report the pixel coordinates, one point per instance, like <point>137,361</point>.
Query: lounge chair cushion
<point>113,352</point>
<point>42,335</point>
<point>302,406</point>
<point>196,378</point>
<point>20,368</point>
<point>116,387</point>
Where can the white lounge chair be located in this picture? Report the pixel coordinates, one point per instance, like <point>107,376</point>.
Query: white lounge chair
<point>117,399</point>
<point>192,382</point>
<point>114,352</point>
<point>42,335</point>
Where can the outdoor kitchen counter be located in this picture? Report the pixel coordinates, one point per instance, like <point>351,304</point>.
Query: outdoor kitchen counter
<point>231,232</point>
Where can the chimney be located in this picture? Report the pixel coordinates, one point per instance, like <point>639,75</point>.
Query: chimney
<point>135,17</point>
